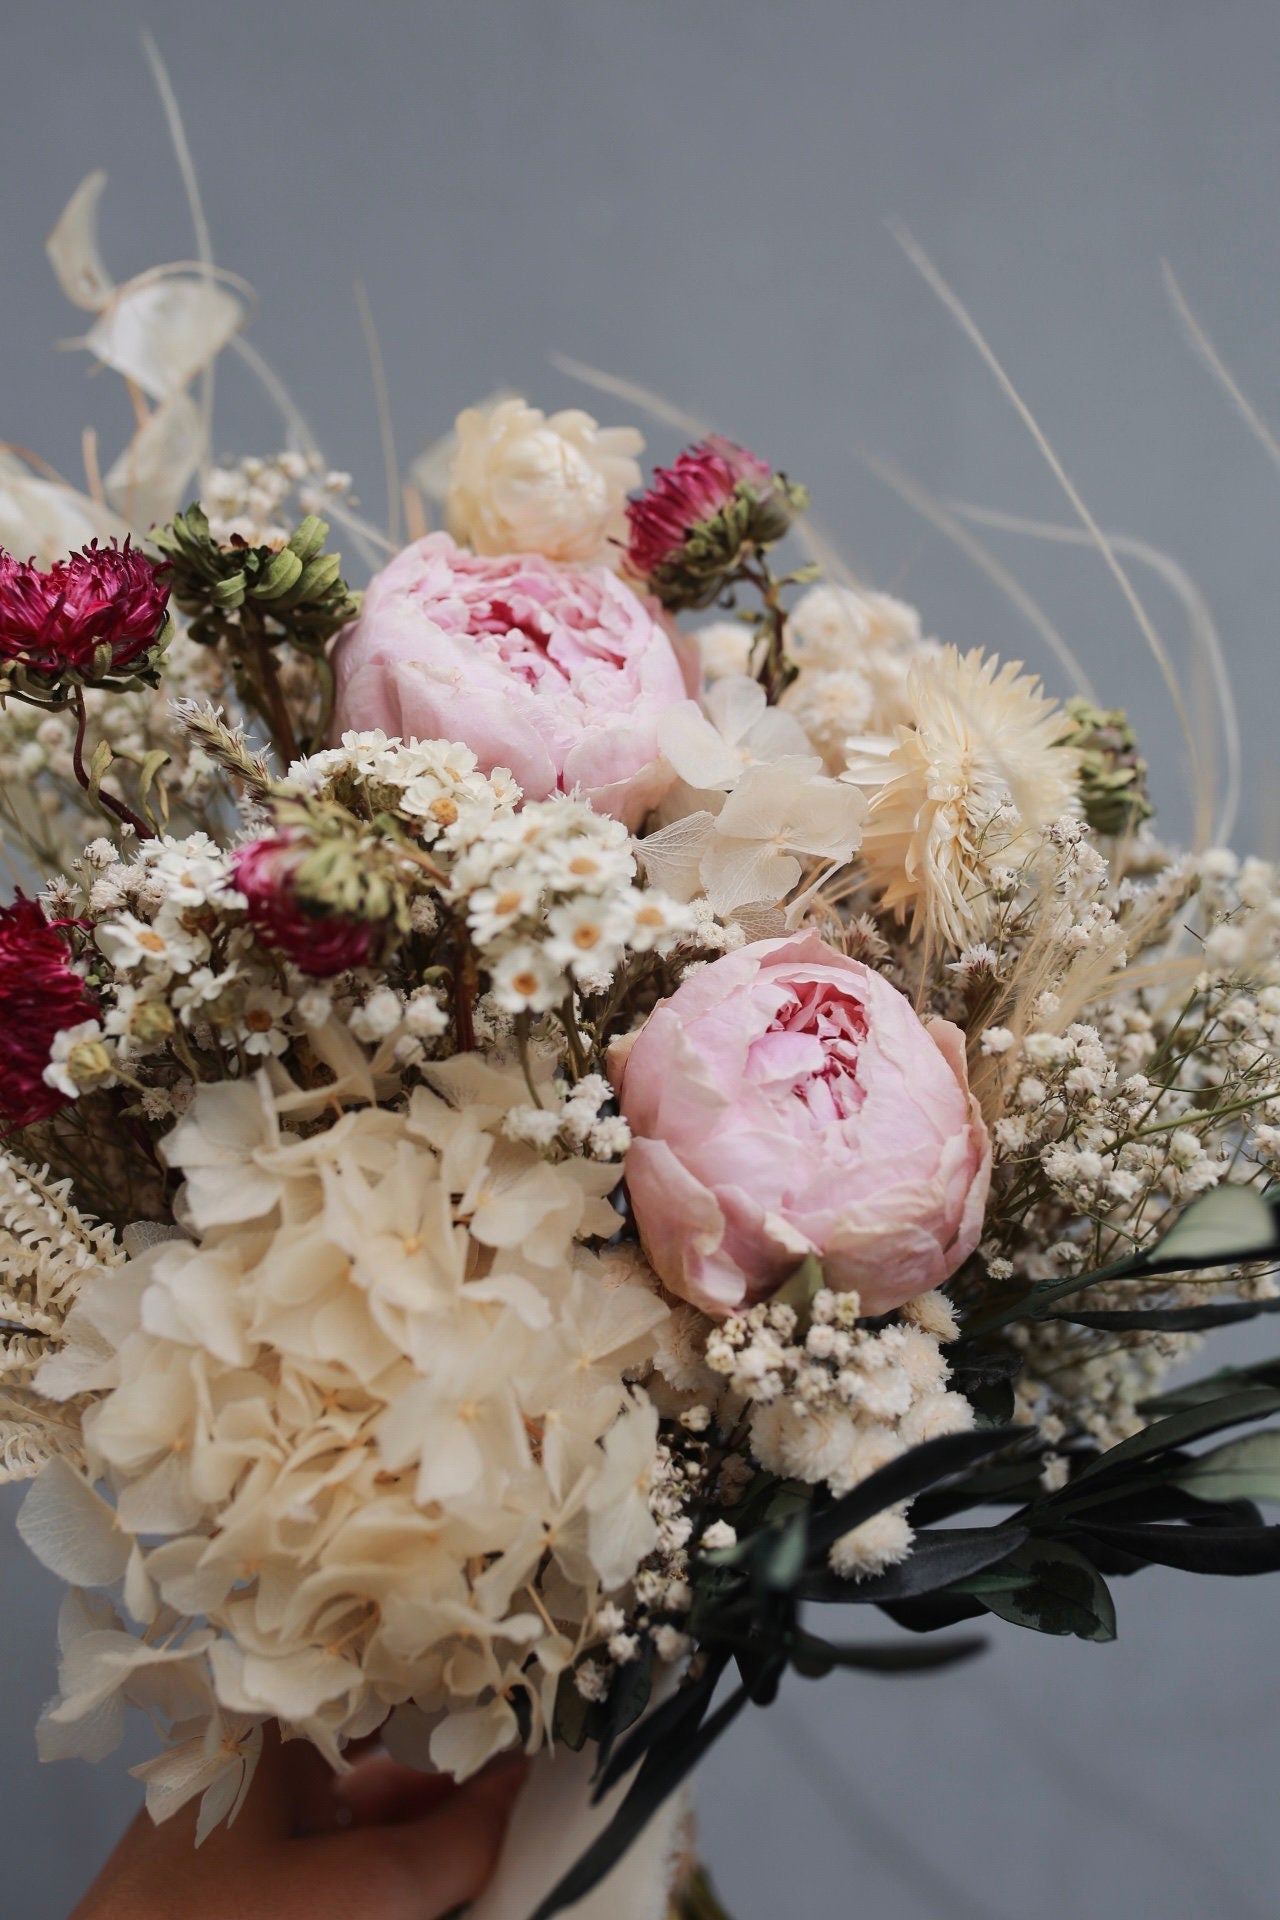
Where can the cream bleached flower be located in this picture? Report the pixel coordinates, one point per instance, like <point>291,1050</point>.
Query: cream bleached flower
<point>523,482</point>
<point>368,1418</point>
<point>983,739</point>
<point>753,802</point>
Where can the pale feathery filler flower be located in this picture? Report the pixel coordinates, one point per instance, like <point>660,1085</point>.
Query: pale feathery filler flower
<point>984,740</point>
<point>48,1250</point>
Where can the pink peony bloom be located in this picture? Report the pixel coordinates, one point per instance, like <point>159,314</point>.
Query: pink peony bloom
<point>787,1101</point>
<point>97,613</point>
<point>41,995</point>
<point>318,943</point>
<point>684,496</point>
<point>558,673</point>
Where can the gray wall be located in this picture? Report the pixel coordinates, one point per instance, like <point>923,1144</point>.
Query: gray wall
<point>694,193</point>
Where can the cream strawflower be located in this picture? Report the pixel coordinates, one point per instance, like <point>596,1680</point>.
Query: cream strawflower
<point>521,482</point>
<point>983,740</point>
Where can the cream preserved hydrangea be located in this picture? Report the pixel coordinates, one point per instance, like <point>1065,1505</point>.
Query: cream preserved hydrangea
<point>523,482</point>
<point>367,1418</point>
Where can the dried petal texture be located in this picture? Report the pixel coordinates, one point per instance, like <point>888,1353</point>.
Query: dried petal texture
<point>521,482</point>
<point>560,674</point>
<point>787,1101</point>
<point>41,996</point>
<point>372,1421</point>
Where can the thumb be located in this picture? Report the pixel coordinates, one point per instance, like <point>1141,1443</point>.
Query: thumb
<point>417,1870</point>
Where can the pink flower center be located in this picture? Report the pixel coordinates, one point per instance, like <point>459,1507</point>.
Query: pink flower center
<point>809,1052</point>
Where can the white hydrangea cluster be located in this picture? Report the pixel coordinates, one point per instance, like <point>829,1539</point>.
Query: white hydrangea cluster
<point>365,1417</point>
<point>829,1402</point>
<point>753,809</point>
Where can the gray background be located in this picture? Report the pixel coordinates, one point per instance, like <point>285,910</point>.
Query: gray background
<point>694,193</point>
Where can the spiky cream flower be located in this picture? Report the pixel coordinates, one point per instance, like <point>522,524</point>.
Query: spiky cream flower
<point>985,739</point>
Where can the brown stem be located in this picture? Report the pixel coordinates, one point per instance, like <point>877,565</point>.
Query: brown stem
<point>774,672</point>
<point>464,996</point>
<point>274,706</point>
<point>124,814</point>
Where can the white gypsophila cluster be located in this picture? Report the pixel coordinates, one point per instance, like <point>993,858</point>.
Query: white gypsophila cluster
<point>551,901</point>
<point>48,1250</point>
<point>47,807</point>
<point>968,785</point>
<point>365,1423</point>
<point>1106,1127</point>
<point>753,803</point>
<point>831,1402</point>
<point>254,499</point>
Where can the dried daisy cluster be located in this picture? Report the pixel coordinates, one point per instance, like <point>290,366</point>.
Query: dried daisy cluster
<point>592,1119</point>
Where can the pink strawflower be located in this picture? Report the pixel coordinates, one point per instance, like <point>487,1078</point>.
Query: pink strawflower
<point>682,498</point>
<point>787,1101</point>
<point>41,995</point>
<point>319,943</point>
<point>96,613</point>
<point>560,674</point>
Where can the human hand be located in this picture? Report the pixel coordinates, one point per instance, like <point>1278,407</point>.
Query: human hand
<point>381,1843</point>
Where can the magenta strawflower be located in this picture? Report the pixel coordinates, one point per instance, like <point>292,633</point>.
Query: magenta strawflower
<point>318,942</point>
<point>41,995</point>
<point>685,496</point>
<point>705,521</point>
<point>99,614</point>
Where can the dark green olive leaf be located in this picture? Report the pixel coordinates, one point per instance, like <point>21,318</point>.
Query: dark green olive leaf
<point>1213,1386</point>
<point>1247,1469</point>
<point>1229,1226</point>
<point>1224,1227</point>
<point>1065,1593</point>
<point>1191,1423</point>
<point>814,1658</point>
<point>780,1553</point>
<point>1225,1313</point>
<point>1232,1551</point>
<point>933,1464</point>
<point>680,1714</point>
<point>936,1561</point>
<point>665,1766</point>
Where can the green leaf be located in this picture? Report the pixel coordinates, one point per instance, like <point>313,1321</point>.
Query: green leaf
<point>663,1770</point>
<point>936,1560</point>
<point>1225,1313</point>
<point>780,1555</point>
<point>799,1290</point>
<point>814,1658</point>
<point>98,768</point>
<point>1232,1551</point>
<point>1228,1225</point>
<point>1247,1469</point>
<point>1064,1594</point>
<point>934,1463</point>
<point>1191,1423</point>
